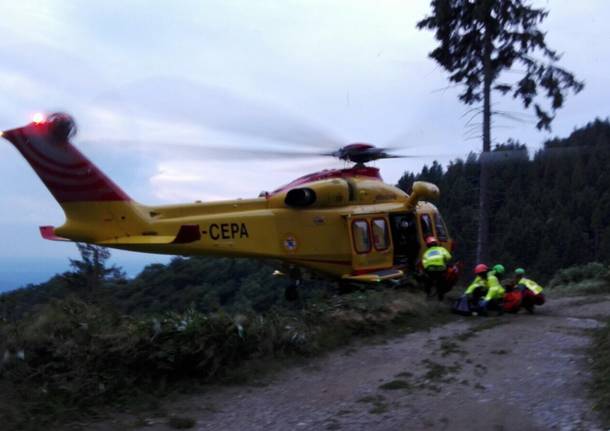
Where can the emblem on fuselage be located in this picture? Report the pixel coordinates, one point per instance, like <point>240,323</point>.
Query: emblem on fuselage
<point>290,243</point>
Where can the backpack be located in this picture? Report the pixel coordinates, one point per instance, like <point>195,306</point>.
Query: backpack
<point>460,306</point>
<point>512,301</point>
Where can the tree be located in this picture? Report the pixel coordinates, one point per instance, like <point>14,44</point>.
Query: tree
<point>480,39</point>
<point>91,270</point>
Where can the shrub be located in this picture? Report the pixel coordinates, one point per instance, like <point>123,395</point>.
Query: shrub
<point>71,356</point>
<point>600,352</point>
<point>577,274</point>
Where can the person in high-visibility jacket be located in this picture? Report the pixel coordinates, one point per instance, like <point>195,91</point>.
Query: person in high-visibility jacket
<point>495,290</point>
<point>435,260</point>
<point>532,291</point>
<point>478,288</point>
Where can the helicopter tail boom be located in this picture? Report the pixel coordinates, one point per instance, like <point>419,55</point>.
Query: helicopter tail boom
<point>95,207</point>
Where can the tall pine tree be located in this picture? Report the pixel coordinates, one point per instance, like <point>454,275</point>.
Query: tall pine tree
<point>478,40</point>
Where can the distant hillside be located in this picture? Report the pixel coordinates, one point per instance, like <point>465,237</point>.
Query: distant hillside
<point>19,271</point>
<point>206,284</point>
<point>548,212</point>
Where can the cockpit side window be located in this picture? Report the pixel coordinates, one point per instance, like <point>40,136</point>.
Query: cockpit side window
<point>426,225</point>
<point>441,229</point>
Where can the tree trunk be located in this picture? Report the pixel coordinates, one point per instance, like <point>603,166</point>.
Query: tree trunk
<point>483,236</point>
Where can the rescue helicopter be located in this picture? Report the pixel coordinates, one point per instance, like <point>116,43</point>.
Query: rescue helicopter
<point>341,224</point>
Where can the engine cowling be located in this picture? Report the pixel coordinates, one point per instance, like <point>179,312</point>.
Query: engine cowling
<point>300,197</point>
<point>319,194</point>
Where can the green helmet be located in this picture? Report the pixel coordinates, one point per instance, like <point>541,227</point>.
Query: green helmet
<point>499,269</point>
<point>519,271</point>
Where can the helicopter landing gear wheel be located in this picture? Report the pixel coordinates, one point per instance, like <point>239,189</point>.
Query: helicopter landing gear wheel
<point>291,293</point>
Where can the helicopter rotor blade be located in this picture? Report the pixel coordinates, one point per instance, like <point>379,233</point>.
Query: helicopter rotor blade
<point>196,104</point>
<point>209,152</point>
<point>234,153</point>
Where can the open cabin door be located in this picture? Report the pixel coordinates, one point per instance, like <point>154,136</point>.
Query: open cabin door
<point>406,239</point>
<point>432,224</point>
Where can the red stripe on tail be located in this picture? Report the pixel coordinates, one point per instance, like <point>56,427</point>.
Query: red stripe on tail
<point>66,172</point>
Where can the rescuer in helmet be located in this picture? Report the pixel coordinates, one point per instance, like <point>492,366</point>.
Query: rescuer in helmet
<point>435,260</point>
<point>478,288</point>
<point>495,292</point>
<point>531,291</point>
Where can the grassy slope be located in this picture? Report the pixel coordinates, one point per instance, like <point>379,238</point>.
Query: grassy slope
<point>591,279</point>
<point>78,356</point>
<point>600,354</point>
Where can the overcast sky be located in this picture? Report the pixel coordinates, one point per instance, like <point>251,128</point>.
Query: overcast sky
<point>142,76</point>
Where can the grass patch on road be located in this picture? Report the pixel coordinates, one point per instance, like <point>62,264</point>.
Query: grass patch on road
<point>600,353</point>
<point>395,385</point>
<point>473,331</point>
<point>377,402</point>
<point>379,409</point>
<point>371,399</point>
<point>440,373</point>
<point>181,423</point>
<point>450,347</point>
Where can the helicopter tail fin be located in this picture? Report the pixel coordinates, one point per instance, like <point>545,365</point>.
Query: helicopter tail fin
<point>95,207</point>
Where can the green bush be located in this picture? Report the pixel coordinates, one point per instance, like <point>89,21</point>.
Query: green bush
<point>600,352</point>
<point>574,275</point>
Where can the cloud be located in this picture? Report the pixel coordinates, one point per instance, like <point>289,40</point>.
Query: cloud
<point>198,104</point>
<point>180,180</point>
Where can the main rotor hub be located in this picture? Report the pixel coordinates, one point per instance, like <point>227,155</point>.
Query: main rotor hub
<point>360,153</point>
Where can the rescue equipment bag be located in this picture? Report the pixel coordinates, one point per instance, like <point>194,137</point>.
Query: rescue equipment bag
<point>460,306</point>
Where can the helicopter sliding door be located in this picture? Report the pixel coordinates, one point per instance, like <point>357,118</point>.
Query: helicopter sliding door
<point>405,238</point>
<point>371,243</point>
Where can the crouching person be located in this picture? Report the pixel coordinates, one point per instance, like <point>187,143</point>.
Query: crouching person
<point>495,292</point>
<point>531,291</point>
<point>468,304</point>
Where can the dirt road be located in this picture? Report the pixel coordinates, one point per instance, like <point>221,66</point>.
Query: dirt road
<point>524,372</point>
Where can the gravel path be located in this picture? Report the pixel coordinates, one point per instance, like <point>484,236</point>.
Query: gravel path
<point>523,372</point>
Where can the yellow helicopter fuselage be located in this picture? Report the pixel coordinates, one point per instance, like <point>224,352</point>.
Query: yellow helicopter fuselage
<point>344,224</point>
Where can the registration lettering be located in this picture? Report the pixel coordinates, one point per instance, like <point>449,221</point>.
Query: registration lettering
<point>219,231</point>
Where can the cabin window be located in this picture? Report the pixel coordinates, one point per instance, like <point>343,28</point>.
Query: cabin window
<point>441,229</point>
<point>360,232</point>
<point>381,237</point>
<point>426,226</point>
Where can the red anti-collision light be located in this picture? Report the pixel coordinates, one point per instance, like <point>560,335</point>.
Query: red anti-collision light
<point>38,118</point>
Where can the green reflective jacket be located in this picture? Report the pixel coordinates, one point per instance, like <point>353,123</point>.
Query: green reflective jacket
<point>531,285</point>
<point>436,258</point>
<point>495,291</point>
<point>477,282</point>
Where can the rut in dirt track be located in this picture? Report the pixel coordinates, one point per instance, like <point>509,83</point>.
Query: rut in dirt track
<point>523,372</point>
